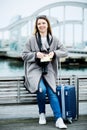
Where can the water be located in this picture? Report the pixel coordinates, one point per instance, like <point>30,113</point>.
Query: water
<point>11,67</point>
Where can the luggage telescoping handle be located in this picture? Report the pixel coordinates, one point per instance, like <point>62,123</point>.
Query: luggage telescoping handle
<point>59,72</point>
<point>63,102</point>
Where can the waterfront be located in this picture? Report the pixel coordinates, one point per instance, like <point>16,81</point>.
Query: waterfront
<point>65,26</point>
<point>14,67</point>
<point>11,67</point>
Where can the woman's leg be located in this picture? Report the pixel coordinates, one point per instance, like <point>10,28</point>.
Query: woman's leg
<point>41,96</point>
<point>54,102</point>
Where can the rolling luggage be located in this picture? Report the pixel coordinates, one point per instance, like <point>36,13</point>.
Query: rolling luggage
<point>67,99</point>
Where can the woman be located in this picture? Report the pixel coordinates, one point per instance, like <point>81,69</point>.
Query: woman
<point>40,57</point>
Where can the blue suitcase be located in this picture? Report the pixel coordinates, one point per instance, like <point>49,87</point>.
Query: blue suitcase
<point>67,99</point>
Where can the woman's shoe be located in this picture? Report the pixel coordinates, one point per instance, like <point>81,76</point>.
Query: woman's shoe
<point>60,124</point>
<point>42,119</point>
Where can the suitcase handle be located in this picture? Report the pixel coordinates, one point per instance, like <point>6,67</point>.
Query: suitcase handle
<point>59,78</point>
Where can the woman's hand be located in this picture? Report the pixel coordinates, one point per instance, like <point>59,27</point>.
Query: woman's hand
<point>45,57</point>
<point>51,54</point>
<point>40,55</point>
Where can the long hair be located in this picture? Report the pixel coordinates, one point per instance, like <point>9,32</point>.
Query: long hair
<point>49,31</point>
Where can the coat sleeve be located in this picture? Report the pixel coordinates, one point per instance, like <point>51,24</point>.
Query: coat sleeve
<point>60,50</point>
<point>27,54</point>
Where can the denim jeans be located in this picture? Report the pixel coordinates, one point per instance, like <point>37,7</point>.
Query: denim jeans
<point>44,89</point>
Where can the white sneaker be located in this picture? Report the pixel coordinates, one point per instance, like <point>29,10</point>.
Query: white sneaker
<point>42,119</point>
<point>60,124</point>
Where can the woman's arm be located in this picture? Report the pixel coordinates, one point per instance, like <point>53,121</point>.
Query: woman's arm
<point>60,51</point>
<point>28,54</point>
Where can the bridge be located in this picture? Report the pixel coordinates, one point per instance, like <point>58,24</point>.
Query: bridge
<point>69,24</point>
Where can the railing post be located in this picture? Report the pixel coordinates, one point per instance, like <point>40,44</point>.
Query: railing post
<point>73,80</point>
<point>18,92</point>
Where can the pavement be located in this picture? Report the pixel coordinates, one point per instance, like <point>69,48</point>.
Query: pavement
<point>32,124</point>
<point>25,117</point>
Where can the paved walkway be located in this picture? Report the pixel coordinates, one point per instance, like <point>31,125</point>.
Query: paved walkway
<point>32,124</point>
<point>25,117</point>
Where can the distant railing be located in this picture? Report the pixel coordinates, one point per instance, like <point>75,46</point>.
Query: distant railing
<point>13,91</point>
<point>82,84</point>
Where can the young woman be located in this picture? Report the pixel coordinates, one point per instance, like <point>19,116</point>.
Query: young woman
<point>40,57</point>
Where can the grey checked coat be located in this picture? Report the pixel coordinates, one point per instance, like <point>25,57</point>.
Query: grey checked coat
<point>33,72</point>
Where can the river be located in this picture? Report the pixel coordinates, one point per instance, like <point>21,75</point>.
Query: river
<point>11,67</point>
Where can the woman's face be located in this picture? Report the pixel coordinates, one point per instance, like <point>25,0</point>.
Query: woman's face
<point>42,25</point>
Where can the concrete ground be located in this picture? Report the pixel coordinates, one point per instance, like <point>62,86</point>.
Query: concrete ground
<point>25,117</point>
<point>32,124</point>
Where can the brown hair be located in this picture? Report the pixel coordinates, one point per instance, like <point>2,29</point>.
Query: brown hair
<point>49,31</point>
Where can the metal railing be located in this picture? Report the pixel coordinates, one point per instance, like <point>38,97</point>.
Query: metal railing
<point>12,89</point>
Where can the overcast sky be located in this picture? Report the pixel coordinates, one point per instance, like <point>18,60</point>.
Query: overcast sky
<point>11,8</point>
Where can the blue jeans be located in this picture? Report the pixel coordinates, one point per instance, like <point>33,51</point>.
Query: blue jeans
<point>44,89</point>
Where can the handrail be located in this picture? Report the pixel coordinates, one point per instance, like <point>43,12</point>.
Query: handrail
<point>12,89</point>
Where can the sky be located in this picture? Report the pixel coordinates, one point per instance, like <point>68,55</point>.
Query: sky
<point>12,8</point>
